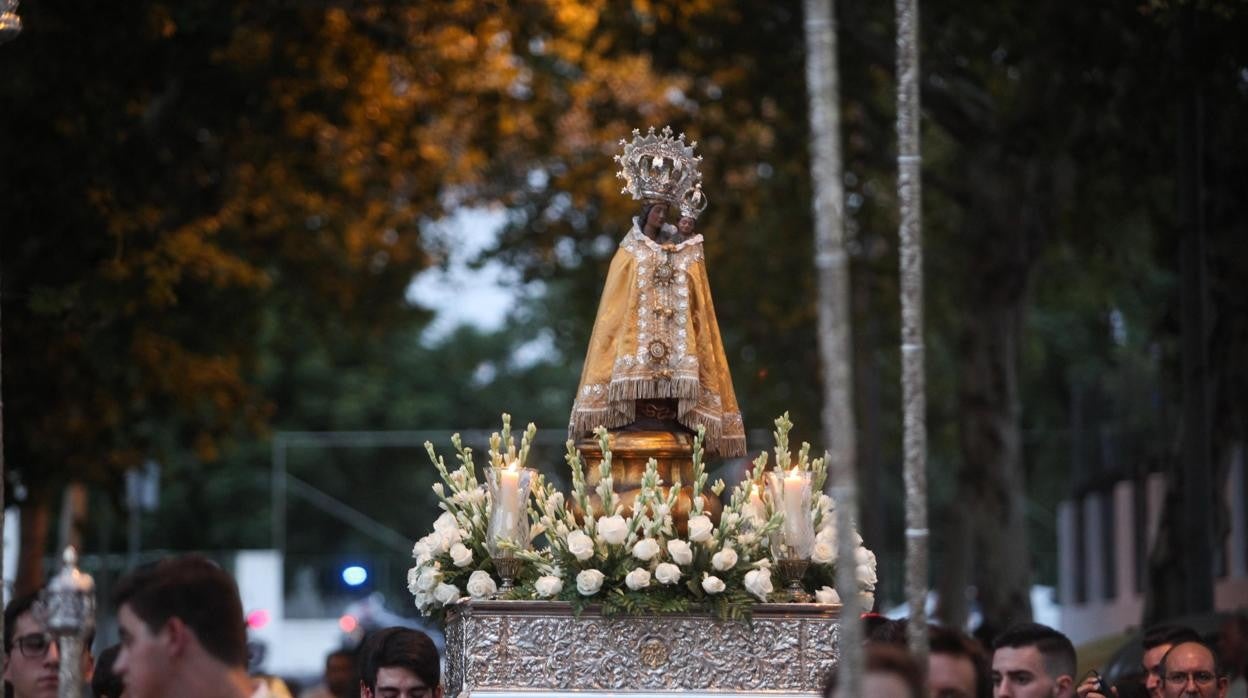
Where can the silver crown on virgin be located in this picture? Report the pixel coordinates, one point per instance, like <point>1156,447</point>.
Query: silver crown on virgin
<point>657,167</point>
<point>693,203</point>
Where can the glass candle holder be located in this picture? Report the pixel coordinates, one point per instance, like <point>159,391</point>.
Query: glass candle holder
<point>508,530</point>
<point>793,542</point>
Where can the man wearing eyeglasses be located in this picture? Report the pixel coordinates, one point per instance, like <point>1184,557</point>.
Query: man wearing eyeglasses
<point>1191,669</point>
<point>32,657</point>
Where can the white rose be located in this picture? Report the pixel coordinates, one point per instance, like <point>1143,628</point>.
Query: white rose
<point>823,553</point>
<point>724,560</point>
<point>423,600</point>
<point>645,549</point>
<point>446,593</point>
<point>865,575</point>
<point>667,573</point>
<point>712,584</point>
<point>412,575</point>
<point>866,601</point>
<point>827,534</point>
<point>827,595</point>
<point>758,583</point>
<point>422,547</point>
<point>429,578</point>
<point>612,529</point>
<point>855,537</point>
<point>446,522</point>
<point>680,551</point>
<point>637,579</point>
<point>548,586</point>
<point>461,555</point>
<point>580,545</point>
<point>700,528</point>
<point>481,585</point>
<point>588,582</point>
<point>445,539</point>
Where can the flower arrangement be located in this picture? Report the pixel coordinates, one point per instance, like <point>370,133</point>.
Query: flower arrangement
<point>629,560</point>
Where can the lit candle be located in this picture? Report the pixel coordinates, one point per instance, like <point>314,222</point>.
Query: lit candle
<point>794,486</point>
<point>509,497</point>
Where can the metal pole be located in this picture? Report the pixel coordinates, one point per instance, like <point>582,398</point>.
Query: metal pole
<point>914,399</point>
<point>835,349</point>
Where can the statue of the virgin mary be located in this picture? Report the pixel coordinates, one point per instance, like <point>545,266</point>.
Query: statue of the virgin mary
<point>655,358</point>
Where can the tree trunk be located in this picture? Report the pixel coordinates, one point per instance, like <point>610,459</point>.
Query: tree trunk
<point>36,514</point>
<point>991,481</point>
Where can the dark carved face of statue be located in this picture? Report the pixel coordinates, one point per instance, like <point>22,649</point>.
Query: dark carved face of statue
<point>654,219</point>
<point>685,225</point>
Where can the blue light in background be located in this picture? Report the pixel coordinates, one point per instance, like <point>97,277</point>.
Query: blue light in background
<point>354,575</point>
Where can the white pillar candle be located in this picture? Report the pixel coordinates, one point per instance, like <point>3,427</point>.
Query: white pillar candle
<point>794,485</point>
<point>509,497</point>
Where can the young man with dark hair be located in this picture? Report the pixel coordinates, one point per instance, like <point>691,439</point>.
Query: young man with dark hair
<point>182,632</point>
<point>888,672</point>
<point>1192,669</point>
<point>957,665</point>
<point>32,658</point>
<point>1030,660</point>
<point>399,663</point>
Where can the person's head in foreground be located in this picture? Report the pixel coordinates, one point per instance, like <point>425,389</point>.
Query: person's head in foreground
<point>957,666</point>
<point>1030,660</point>
<point>1192,669</point>
<point>399,663</point>
<point>106,683</point>
<point>182,631</point>
<point>1157,642</point>
<point>888,672</point>
<point>32,658</point>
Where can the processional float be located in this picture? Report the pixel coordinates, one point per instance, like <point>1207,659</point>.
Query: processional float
<point>646,581</point>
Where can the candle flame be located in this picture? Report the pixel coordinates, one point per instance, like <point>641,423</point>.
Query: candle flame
<point>795,472</point>
<point>513,465</point>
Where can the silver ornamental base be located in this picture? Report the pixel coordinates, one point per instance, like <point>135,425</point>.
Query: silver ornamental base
<point>514,649</point>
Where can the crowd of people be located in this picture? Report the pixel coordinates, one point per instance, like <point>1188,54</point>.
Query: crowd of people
<point>1031,660</point>
<point>183,635</point>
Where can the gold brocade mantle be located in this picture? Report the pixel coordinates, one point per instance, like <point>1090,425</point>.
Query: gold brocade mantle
<point>656,336</point>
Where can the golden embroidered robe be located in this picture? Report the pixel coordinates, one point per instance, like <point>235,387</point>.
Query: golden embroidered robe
<point>656,336</point>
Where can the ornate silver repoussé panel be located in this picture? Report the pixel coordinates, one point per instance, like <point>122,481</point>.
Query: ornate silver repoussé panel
<point>504,649</point>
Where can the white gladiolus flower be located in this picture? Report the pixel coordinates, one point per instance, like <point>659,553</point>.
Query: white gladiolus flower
<point>747,538</point>
<point>667,573</point>
<point>712,584</point>
<point>438,489</point>
<point>700,528</point>
<point>822,553</point>
<point>662,510</point>
<point>865,575</point>
<point>580,545</point>
<point>866,600</point>
<point>612,529</point>
<point>588,582</point>
<point>863,556</point>
<point>428,579</point>
<point>446,593</point>
<point>639,578</point>
<point>548,586</point>
<point>730,519</point>
<point>680,551</point>
<point>724,560</point>
<point>646,549</point>
<point>758,582</point>
<point>561,529</point>
<point>555,501</point>
<point>461,555</point>
<point>827,595</point>
<point>481,584</point>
